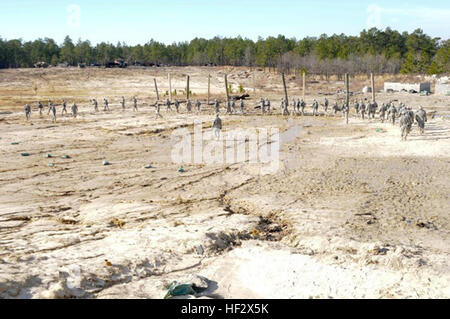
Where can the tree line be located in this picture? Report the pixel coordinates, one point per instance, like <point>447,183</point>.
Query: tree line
<point>374,50</point>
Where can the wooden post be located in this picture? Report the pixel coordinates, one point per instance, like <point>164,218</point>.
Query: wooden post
<point>304,85</point>
<point>187,88</point>
<point>347,96</point>
<point>347,90</point>
<point>285,90</point>
<point>226,88</point>
<point>170,87</point>
<point>209,87</point>
<point>156,89</point>
<point>372,80</point>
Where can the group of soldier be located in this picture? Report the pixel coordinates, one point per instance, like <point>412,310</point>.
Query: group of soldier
<point>363,108</point>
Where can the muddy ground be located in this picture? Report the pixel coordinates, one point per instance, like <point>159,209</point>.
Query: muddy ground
<point>352,212</point>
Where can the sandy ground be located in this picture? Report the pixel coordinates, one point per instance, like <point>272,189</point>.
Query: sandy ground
<point>352,212</point>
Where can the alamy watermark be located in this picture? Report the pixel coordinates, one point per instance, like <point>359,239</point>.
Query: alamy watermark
<point>259,146</point>
<point>74,17</point>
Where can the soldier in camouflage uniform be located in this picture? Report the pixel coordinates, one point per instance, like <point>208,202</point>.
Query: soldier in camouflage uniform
<point>392,113</point>
<point>229,106</point>
<point>105,104</point>
<point>189,106</point>
<point>27,110</point>
<point>362,107</point>
<point>356,106</point>
<point>41,107</point>
<point>64,107</point>
<point>95,104</point>
<point>302,105</point>
<point>53,110</point>
<point>158,109</point>
<point>241,105</point>
<point>177,106</point>
<point>263,106</point>
<point>383,110</point>
<point>135,106</point>
<point>268,105</point>
<point>315,106</point>
<point>216,106</point>
<point>406,122</point>
<point>421,119</point>
<point>325,105</point>
<point>74,110</point>
<point>123,103</point>
<point>198,106</point>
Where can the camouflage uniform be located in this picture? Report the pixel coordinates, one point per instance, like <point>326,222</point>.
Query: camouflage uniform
<point>64,107</point>
<point>421,119</point>
<point>123,103</point>
<point>189,106</point>
<point>27,110</point>
<point>74,110</point>
<point>106,105</point>
<point>135,107</point>
<point>41,107</point>
<point>217,126</point>
<point>95,103</point>
<point>216,106</point>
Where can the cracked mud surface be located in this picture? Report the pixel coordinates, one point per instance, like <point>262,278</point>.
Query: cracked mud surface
<point>352,212</point>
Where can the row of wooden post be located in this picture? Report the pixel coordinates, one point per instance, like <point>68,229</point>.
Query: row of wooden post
<point>347,88</point>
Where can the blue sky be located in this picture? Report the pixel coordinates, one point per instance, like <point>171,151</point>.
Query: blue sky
<point>138,21</point>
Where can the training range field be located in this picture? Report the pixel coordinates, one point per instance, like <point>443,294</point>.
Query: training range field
<point>352,212</point>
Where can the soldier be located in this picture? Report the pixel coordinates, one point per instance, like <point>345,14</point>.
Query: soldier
<point>263,106</point>
<point>325,105</point>
<point>158,110</point>
<point>168,107</point>
<point>217,126</point>
<point>198,105</point>
<point>356,106</point>
<point>362,107</point>
<point>53,110</point>
<point>228,106</point>
<point>373,109</point>
<point>189,106</point>
<point>216,106</point>
<point>383,110</point>
<point>233,106</point>
<point>95,104</point>
<point>315,106</point>
<point>335,107</point>
<point>421,119</point>
<point>241,105</point>
<point>392,112</point>
<point>74,110</point>
<point>135,107</point>
<point>297,106</point>
<point>41,107</point>
<point>50,104</point>
<point>27,110</point>
<point>267,103</point>
<point>123,103</point>
<point>106,104</point>
<point>177,105</point>
<point>303,105</point>
<point>64,109</point>
<point>294,105</point>
<point>406,122</point>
